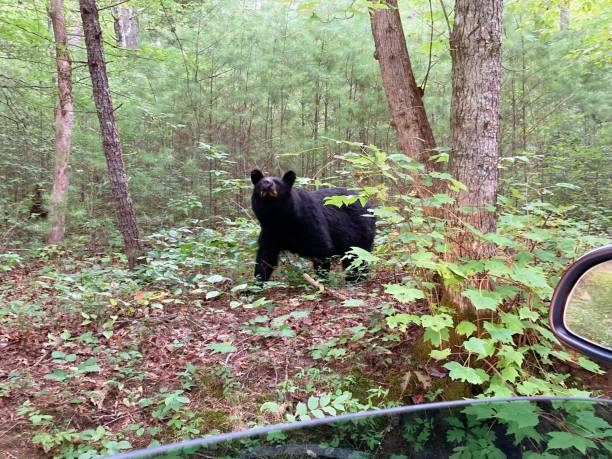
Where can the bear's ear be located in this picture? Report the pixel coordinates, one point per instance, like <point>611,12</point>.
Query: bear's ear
<point>289,178</point>
<point>256,176</point>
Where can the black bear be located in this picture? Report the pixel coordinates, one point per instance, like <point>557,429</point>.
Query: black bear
<point>297,221</point>
<point>37,208</point>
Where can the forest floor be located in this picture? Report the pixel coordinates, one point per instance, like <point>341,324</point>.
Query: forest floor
<point>158,364</point>
<point>114,367</point>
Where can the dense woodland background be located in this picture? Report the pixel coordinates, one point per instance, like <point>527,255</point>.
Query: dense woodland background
<point>101,355</point>
<point>214,89</point>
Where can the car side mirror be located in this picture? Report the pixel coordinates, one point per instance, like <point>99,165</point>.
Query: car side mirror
<point>581,307</point>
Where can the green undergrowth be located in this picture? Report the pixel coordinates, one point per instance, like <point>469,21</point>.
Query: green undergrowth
<point>412,343</point>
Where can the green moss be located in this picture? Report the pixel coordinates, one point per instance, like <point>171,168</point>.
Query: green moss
<point>214,420</point>
<point>419,358</point>
<point>451,390</point>
<point>358,384</point>
<point>210,385</point>
<point>394,382</point>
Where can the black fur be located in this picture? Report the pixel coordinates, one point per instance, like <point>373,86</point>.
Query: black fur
<point>37,207</point>
<point>297,221</point>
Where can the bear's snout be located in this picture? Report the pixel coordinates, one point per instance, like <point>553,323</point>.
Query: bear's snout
<point>268,188</point>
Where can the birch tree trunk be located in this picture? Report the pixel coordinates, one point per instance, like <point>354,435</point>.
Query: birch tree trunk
<point>127,28</point>
<point>475,117</point>
<point>404,97</point>
<point>109,132</point>
<point>564,15</point>
<point>64,117</point>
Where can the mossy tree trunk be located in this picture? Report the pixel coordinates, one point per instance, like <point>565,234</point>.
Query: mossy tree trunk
<point>64,118</point>
<point>475,119</point>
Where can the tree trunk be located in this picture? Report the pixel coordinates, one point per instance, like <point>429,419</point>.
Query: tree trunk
<point>127,28</point>
<point>564,15</point>
<point>64,117</point>
<point>475,115</point>
<point>404,97</point>
<point>108,129</point>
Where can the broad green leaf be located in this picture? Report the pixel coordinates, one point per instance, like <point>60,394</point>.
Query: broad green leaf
<point>529,276</point>
<point>402,320</point>
<point>216,278</point>
<point>299,314</point>
<point>174,400</point>
<point>499,390</point>
<point>569,186</point>
<point>324,400</point>
<point>499,240</point>
<point>271,407</point>
<point>89,366</point>
<point>511,356</point>
<point>221,348</point>
<point>353,303</point>
<point>512,322</point>
<point>442,198</point>
<point>509,374</point>
<point>482,347</point>
<point>57,375</point>
<point>523,413</point>
<point>440,355</point>
<point>590,365</point>
<point>545,332</point>
<point>533,386</point>
<point>300,409</point>
<point>594,424</point>
<point>363,256</point>
<point>437,322</point>
<point>497,268</point>
<point>534,455</point>
<point>465,328</point>
<point>562,355</point>
<point>114,447</point>
<point>480,411</point>
<point>317,413</point>
<point>499,334</point>
<point>526,313</point>
<point>566,440</point>
<point>482,299</point>
<point>404,294</point>
<point>435,337</point>
<point>471,375</point>
<point>340,200</point>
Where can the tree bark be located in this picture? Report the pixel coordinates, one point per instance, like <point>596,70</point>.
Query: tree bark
<point>127,28</point>
<point>109,132</point>
<point>564,15</point>
<point>64,117</point>
<point>404,97</point>
<point>475,117</point>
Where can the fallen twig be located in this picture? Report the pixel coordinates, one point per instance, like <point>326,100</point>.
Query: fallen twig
<point>314,283</point>
<point>322,288</point>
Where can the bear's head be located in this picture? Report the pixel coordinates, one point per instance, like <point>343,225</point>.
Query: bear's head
<point>272,187</point>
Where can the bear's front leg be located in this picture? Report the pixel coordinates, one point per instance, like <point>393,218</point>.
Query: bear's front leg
<point>353,274</point>
<point>265,262</point>
<point>322,267</point>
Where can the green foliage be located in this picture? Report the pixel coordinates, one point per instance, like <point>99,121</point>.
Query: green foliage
<point>10,260</point>
<point>197,108</point>
<point>260,97</point>
<point>509,349</point>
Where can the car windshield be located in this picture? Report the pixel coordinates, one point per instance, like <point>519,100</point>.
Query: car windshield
<point>512,428</point>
